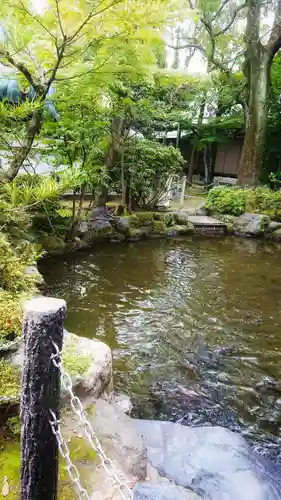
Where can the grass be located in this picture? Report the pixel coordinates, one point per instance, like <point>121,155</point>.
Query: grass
<point>81,454</point>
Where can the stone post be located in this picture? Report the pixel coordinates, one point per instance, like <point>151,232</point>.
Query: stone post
<point>43,323</point>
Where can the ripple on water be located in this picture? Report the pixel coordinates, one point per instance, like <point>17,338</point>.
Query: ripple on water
<point>194,327</point>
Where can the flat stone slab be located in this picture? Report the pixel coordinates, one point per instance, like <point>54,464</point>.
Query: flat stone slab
<point>214,462</point>
<point>204,220</point>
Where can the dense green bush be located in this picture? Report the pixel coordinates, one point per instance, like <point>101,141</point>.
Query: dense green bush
<point>16,284</point>
<point>225,200</point>
<point>235,201</point>
<point>147,167</point>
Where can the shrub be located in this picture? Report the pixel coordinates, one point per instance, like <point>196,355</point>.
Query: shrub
<point>15,284</point>
<point>227,200</point>
<point>235,201</point>
<point>147,167</point>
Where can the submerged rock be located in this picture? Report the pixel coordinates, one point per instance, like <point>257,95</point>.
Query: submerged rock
<point>251,224</point>
<point>214,462</point>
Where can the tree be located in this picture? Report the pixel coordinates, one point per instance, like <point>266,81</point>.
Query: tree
<point>222,34</point>
<point>66,40</point>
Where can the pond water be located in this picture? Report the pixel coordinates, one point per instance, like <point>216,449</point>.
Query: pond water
<point>194,326</point>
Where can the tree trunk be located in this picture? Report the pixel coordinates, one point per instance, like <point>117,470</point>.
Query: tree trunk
<point>191,163</point>
<point>256,121</point>
<point>196,139</point>
<point>257,67</point>
<point>20,156</point>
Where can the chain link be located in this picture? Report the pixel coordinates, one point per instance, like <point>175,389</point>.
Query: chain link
<point>64,451</point>
<point>78,409</point>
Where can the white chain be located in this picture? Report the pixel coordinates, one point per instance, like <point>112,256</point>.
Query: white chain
<point>78,409</point>
<point>64,451</point>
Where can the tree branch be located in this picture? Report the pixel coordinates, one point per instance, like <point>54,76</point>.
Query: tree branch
<point>20,66</point>
<point>230,23</point>
<point>274,43</point>
<point>23,7</point>
<point>217,14</point>
<point>90,16</point>
<point>59,19</point>
<point>32,130</point>
<point>84,72</point>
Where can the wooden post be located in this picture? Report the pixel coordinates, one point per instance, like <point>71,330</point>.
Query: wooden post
<point>43,323</point>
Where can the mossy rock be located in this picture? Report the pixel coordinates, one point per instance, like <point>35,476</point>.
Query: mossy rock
<point>75,363</point>
<point>181,219</point>
<point>158,226</point>
<point>99,234</point>
<point>167,218</point>
<point>139,219</point>
<point>275,235</point>
<point>178,230</point>
<point>136,234</point>
<point>53,244</point>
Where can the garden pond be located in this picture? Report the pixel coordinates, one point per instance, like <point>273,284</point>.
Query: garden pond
<point>194,326</point>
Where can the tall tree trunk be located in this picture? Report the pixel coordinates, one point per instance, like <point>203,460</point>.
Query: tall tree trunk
<point>256,120</point>
<point>258,59</point>
<point>196,139</point>
<point>191,163</point>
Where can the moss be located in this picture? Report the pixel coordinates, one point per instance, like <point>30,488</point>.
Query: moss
<point>9,380</point>
<point>135,234</point>
<point>178,230</point>
<point>100,234</point>
<point>14,426</point>
<point>181,219</point>
<point>145,218</point>
<point>10,467</point>
<point>74,362</point>
<point>81,453</point>
<point>167,217</point>
<point>158,226</point>
<point>139,219</point>
<point>52,244</point>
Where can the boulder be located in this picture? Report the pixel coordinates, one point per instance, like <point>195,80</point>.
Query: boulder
<point>96,378</point>
<point>119,438</point>
<point>88,361</point>
<point>249,224</point>
<point>53,244</point>
<point>214,462</point>
<point>178,230</point>
<point>275,235</point>
<point>201,211</point>
<point>33,271</point>
<point>273,226</point>
<point>83,227</point>
<point>120,442</point>
<point>122,401</point>
<point>166,491</point>
<point>181,217</point>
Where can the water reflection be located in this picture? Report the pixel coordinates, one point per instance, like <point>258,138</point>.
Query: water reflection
<point>194,326</point>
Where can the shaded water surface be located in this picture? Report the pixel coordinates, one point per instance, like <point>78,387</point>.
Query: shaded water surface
<point>194,326</point>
